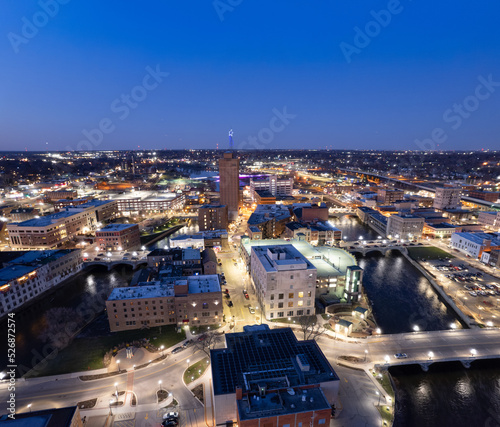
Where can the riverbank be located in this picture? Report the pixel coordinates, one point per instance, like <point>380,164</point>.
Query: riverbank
<point>151,239</point>
<point>442,294</point>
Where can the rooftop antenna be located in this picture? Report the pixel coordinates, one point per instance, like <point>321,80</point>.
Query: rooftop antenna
<point>231,143</point>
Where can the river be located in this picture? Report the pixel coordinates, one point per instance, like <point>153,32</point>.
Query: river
<point>448,394</point>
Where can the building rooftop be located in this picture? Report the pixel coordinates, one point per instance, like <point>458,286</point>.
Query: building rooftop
<point>203,283</point>
<point>153,290</point>
<point>43,221</point>
<point>116,227</point>
<point>281,257</point>
<point>177,254</point>
<point>60,417</point>
<point>281,402</point>
<point>327,260</point>
<point>264,213</point>
<point>271,358</point>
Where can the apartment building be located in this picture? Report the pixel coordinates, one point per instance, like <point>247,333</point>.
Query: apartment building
<point>270,220</point>
<point>213,217</point>
<point>447,197</point>
<point>118,237</point>
<point>245,392</point>
<point>23,214</point>
<point>285,281</point>
<point>405,226</point>
<point>26,275</point>
<point>193,300</point>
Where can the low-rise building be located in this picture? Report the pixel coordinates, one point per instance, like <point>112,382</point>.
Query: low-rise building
<point>27,275</point>
<point>442,230</point>
<point>209,261</point>
<point>489,196</point>
<point>267,377</point>
<point>55,417</point>
<point>189,259</point>
<point>23,214</point>
<point>194,300</point>
<point>118,237</point>
<point>307,212</point>
<point>216,239</point>
<point>474,244</point>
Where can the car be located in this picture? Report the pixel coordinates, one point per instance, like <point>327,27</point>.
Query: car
<point>171,422</point>
<point>97,259</point>
<point>227,291</point>
<point>220,264</point>
<point>251,310</point>
<point>236,265</point>
<point>177,350</point>
<point>202,337</point>
<point>125,258</point>
<point>401,356</point>
<point>187,343</point>
<point>230,303</point>
<point>100,254</point>
<point>170,415</point>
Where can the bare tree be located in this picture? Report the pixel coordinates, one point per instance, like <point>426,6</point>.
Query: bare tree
<point>206,342</point>
<point>310,327</point>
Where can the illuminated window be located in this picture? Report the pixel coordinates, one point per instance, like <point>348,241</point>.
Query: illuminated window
<point>301,294</point>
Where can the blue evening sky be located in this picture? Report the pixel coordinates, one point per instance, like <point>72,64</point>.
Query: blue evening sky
<point>242,65</point>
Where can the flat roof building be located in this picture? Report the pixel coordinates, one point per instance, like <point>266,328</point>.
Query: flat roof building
<point>269,374</point>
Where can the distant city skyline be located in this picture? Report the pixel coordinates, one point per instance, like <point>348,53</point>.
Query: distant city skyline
<point>391,75</point>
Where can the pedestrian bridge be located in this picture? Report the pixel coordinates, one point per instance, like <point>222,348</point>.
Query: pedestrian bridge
<point>426,348</point>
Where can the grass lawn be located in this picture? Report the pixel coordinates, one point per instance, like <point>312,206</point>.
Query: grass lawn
<point>428,253</point>
<point>385,414</point>
<point>385,383</point>
<point>193,372</point>
<point>145,239</point>
<point>87,353</point>
<point>197,330</point>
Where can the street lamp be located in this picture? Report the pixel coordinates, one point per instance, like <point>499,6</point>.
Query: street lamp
<point>116,387</point>
<point>378,394</point>
<point>159,382</point>
<point>453,326</point>
<point>378,331</point>
<point>161,349</point>
<point>366,352</point>
<point>473,352</point>
<point>118,363</point>
<point>387,358</point>
<point>416,328</point>
<point>430,354</point>
<point>110,410</point>
<point>29,406</point>
<point>187,363</point>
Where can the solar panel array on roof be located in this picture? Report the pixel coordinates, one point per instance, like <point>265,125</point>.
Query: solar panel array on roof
<point>267,357</point>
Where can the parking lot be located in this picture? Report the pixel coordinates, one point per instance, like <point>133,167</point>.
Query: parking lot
<point>476,293</point>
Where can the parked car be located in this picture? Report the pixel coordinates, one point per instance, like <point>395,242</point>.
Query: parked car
<point>400,355</point>
<point>177,350</point>
<point>170,415</point>
<point>251,310</point>
<point>187,343</point>
<point>230,303</point>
